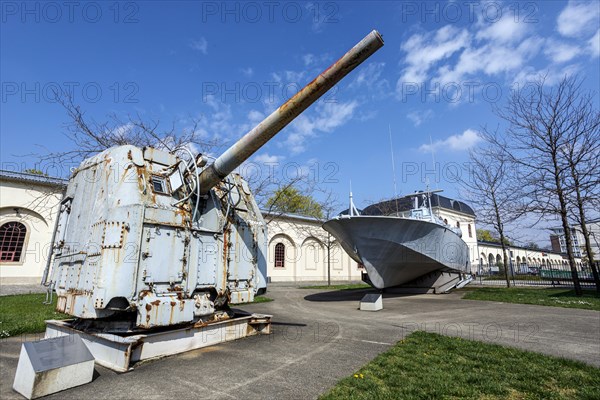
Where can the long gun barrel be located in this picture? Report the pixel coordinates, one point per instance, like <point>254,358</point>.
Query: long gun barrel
<point>270,126</point>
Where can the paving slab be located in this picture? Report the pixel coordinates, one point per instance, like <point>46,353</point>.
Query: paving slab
<point>320,336</point>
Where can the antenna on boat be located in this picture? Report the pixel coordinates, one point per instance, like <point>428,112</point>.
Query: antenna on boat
<point>352,208</point>
<point>393,168</point>
<point>429,201</point>
<point>432,154</point>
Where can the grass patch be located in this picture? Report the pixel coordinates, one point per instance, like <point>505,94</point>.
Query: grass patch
<point>432,366</point>
<point>535,278</point>
<point>348,286</point>
<point>257,299</point>
<point>25,313</point>
<point>544,297</point>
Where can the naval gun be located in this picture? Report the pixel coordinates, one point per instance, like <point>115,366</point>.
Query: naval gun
<point>146,238</point>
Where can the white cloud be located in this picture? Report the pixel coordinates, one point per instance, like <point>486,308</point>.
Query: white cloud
<point>295,77</point>
<point>121,132</point>
<point>266,158</point>
<point>418,117</point>
<point>200,45</point>
<point>491,59</point>
<point>424,50</point>
<point>594,44</point>
<point>560,52</point>
<point>308,59</point>
<point>464,141</point>
<point>329,116</point>
<point>507,49</point>
<point>578,18</point>
<point>255,116</point>
<point>312,60</point>
<point>368,75</point>
<point>247,72</point>
<point>551,75</point>
<point>506,30</point>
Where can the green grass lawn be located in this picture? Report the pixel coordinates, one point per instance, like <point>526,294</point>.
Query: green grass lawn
<point>544,297</point>
<point>25,313</point>
<point>501,277</point>
<point>257,299</point>
<point>349,286</point>
<point>431,366</point>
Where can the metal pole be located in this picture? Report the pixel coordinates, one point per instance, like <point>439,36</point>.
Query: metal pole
<point>270,126</point>
<point>328,259</point>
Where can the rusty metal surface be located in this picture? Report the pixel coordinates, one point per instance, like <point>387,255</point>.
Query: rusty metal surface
<point>121,352</point>
<point>126,243</point>
<point>280,118</point>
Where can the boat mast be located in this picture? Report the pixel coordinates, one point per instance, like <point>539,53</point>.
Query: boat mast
<point>352,210</point>
<point>393,169</point>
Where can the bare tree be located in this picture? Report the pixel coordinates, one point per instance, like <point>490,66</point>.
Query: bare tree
<point>489,188</point>
<point>542,122</point>
<point>90,137</point>
<point>581,155</point>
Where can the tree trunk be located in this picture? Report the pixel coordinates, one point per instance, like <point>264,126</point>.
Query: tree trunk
<point>584,230</point>
<point>588,250</point>
<point>565,223</point>
<point>501,233</point>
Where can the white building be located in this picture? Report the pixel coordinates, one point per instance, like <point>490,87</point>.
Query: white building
<point>559,244</point>
<point>299,250</point>
<point>521,259</point>
<point>28,207</point>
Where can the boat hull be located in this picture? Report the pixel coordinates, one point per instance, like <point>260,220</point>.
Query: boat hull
<point>396,250</point>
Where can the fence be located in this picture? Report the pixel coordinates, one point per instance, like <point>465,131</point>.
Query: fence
<point>523,275</point>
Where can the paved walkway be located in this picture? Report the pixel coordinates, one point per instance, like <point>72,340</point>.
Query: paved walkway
<point>6,290</point>
<point>320,337</point>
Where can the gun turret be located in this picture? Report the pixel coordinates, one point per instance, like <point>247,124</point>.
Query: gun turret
<point>148,239</point>
<point>270,126</point>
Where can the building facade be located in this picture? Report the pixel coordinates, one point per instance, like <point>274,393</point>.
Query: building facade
<point>521,260</point>
<point>28,208</point>
<point>299,250</point>
<point>559,244</point>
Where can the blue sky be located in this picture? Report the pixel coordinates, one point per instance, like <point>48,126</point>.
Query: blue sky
<point>228,64</point>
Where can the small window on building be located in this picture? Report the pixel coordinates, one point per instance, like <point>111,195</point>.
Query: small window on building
<point>279,255</point>
<point>470,231</point>
<point>445,221</point>
<point>457,224</point>
<point>159,184</point>
<point>12,240</point>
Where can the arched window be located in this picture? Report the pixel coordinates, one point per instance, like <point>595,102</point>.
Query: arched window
<point>445,221</point>
<point>470,231</point>
<point>12,239</point>
<point>279,255</point>
<point>457,224</point>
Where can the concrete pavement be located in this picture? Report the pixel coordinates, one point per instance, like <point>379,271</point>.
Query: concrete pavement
<point>6,290</point>
<point>320,337</point>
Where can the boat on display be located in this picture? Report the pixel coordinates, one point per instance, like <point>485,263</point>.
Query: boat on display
<point>413,248</point>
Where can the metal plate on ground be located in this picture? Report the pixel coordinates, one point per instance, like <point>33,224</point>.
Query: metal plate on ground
<point>51,365</point>
<point>371,302</point>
